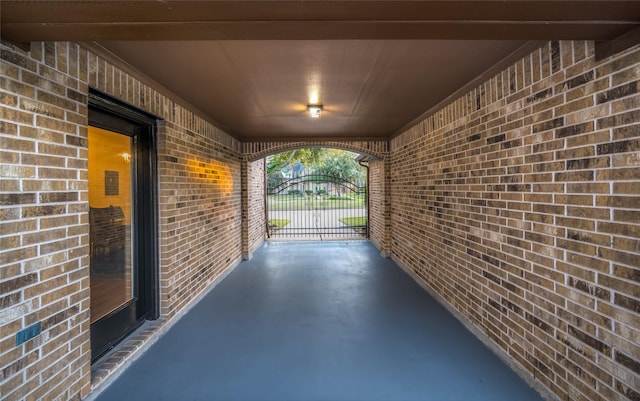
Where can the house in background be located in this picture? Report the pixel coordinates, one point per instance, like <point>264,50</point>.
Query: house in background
<point>504,169</point>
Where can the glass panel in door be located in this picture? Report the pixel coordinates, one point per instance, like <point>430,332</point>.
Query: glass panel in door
<point>111,186</point>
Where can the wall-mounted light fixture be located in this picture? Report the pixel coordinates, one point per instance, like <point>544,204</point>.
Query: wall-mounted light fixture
<point>126,157</point>
<point>314,110</point>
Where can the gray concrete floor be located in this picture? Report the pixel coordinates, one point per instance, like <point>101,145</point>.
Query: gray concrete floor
<point>318,321</point>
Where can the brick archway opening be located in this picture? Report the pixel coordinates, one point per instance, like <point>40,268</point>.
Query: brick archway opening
<point>319,199</point>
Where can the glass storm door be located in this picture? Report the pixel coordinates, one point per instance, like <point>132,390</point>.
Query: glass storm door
<point>119,227</point>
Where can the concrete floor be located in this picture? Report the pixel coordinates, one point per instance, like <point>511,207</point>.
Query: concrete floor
<point>318,321</point>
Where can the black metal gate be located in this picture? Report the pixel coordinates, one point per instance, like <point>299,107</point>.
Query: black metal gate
<point>316,207</point>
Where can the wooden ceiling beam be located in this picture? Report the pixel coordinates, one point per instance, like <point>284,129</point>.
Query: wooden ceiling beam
<point>319,10</point>
<point>29,32</point>
<point>85,20</point>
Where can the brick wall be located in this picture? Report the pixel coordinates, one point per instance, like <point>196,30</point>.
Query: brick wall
<point>379,205</point>
<point>519,205</point>
<point>257,150</point>
<point>44,232</point>
<point>200,218</point>
<point>44,235</point>
<point>198,188</point>
<point>379,220</point>
<point>254,210</point>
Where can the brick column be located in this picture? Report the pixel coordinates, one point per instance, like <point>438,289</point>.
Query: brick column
<point>380,205</point>
<point>244,185</point>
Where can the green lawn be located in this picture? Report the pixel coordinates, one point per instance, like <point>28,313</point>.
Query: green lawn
<point>354,221</point>
<point>281,223</point>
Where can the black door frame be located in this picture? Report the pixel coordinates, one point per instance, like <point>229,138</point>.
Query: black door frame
<point>111,114</point>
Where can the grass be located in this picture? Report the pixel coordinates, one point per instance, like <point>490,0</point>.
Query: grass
<point>281,223</point>
<point>354,221</point>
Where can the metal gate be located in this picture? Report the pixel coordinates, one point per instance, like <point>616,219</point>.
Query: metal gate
<point>316,207</point>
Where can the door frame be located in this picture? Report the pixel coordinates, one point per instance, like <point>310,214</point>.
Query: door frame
<point>111,114</point>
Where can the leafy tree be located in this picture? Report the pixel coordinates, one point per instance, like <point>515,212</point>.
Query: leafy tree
<point>321,161</point>
<point>306,156</point>
<point>341,164</point>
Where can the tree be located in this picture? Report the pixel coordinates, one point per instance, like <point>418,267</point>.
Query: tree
<point>320,161</point>
<point>306,156</point>
<point>341,164</point>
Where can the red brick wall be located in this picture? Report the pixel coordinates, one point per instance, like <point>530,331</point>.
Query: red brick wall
<point>519,205</point>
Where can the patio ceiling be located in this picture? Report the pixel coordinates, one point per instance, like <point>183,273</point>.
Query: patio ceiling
<point>252,67</point>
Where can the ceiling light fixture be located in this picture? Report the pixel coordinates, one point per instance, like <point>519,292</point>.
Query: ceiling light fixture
<point>314,110</point>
